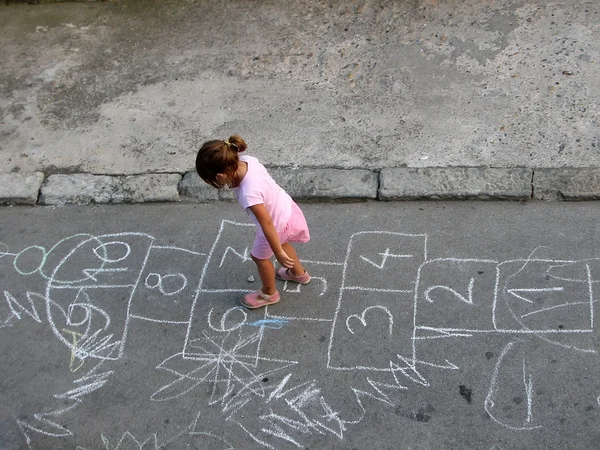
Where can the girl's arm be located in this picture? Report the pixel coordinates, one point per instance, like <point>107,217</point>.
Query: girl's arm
<point>264,219</point>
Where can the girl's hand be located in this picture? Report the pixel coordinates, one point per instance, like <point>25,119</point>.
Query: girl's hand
<point>264,219</point>
<point>284,260</point>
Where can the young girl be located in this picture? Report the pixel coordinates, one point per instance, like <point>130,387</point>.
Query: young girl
<point>278,219</point>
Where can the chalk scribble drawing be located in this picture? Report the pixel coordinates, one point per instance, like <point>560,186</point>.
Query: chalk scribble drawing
<point>87,290</point>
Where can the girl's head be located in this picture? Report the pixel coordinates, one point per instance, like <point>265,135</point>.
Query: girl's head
<point>217,161</point>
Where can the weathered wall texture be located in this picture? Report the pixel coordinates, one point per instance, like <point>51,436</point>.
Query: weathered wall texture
<point>134,87</point>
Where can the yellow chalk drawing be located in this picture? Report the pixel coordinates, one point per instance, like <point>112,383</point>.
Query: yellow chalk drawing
<point>75,335</point>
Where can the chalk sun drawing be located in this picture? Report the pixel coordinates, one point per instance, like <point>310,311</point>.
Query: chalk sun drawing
<point>223,361</point>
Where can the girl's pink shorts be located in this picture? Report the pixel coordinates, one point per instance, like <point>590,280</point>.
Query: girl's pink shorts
<point>295,231</point>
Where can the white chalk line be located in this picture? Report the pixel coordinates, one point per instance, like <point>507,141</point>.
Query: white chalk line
<point>160,278</point>
<point>509,331</point>
<point>90,286</point>
<point>128,314</point>
<point>204,433</point>
<point>513,292</point>
<point>489,400</point>
<point>591,294</point>
<point>324,284</point>
<point>237,309</point>
<point>385,255</point>
<point>91,273</point>
<point>254,438</point>
<point>575,280</point>
<point>5,252</point>
<point>370,289</point>
<point>528,382</point>
<point>296,289</point>
<point>525,262</point>
<point>94,382</point>
<point>104,258</point>
<point>148,319</point>
<point>539,335</point>
<point>179,249</point>
<point>590,282</point>
<point>244,257</point>
<point>14,305</point>
<point>207,262</point>
<point>442,334</point>
<point>468,299</point>
<point>221,291</point>
<point>415,302</point>
<point>339,303</point>
<point>149,443</point>
<point>550,289</point>
<point>290,318</point>
<point>411,364</point>
<point>261,334</point>
<point>562,305</point>
<point>207,356</point>
<point>324,263</point>
<point>460,260</point>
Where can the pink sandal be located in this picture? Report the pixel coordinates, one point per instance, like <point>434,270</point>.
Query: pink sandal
<point>285,274</point>
<point>259,299</point>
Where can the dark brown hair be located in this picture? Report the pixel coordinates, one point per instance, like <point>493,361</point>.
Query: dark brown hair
<point>216,157</point>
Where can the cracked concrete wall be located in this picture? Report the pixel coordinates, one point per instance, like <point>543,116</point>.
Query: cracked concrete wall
<point>134,87</point>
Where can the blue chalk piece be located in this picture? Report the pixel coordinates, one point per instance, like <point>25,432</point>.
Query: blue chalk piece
<point>274,324</point>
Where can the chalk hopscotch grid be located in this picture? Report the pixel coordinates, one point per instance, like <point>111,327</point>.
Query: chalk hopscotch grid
<point>200,289</point>
<point>53,284</point>
<point>267,316</point>
<point>408,363</point>
<point>344,288</point>
<point>547,261</point>
<point>131,296</point>
<point>495,328</point>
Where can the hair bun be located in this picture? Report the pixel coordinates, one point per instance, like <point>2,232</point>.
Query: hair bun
<point>237,142</point>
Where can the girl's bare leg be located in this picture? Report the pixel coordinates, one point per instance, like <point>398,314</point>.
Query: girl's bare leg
<point>266,272</point>
<point>298,269</point>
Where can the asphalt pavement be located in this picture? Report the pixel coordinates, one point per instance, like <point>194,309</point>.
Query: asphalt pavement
<point>445,325</point>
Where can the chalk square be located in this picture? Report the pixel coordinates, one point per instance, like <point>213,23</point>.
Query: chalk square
<point>366,320</point>
<point>456,294</point>
<point>166,287</point>
<point>384,260</point>
<point>554,296</point>
<point>289,339</point>
<point>316,300</point>
<point>229,264</point>
<point>214,312</point>
<point>84,260</point>
<point>92,321</point>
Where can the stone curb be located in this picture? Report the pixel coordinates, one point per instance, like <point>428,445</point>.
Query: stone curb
<point>327,184</point>
<point>567,184</point>
<point>311,184</point>
<point>301,184</point>
<point>83,189</point>
<point>20,188</point>
<point>455,183</point>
